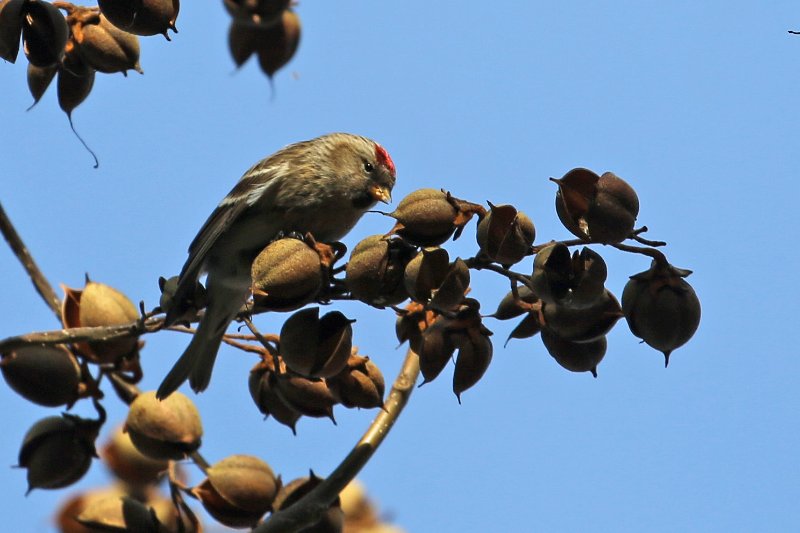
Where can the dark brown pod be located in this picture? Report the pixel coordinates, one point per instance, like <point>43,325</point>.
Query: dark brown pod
<point>552,272</point>
<point>661,308</point>
<point>410,325</point>
<point>278,44</point>
<point>360,384</point>
<point>243,39</point>
<point>103,46</point>
<point>316,347</point>
<point>142,17</point>
<point>72,89</point>
<point>453,289</point>
<point>45,375</point>
<point>238,491</point>
<point>601,209</point>
<point>309,397</point>
<point>263,390</point>
<point>436,349</point>
<point>39,79</point>
<point>331,521</point>
<point>575,356</point>
<point>11,14</point>
<point>528,327</point>
<point>582,321</point>
<point>44,33</point>
<point>425,273</point>
<point>512,306</point>
<point>57,451</point>
<point>474,357</point>
<point>505,235</point>
<point>286,275</point>
<point>375,271</point>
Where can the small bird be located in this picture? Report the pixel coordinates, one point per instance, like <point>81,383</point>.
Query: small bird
<point>322,186</point>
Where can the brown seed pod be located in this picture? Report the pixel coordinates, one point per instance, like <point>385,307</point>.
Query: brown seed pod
<point>65,517</point>
<point>142,17</point>
<point>279,43</point>
<point>11,13</point>
<point>95,305</point>
<point>309,397</point>
<point>103,46</point>
<point>452,290</point>
<point>263,390</point>
<point>528,327</point>
<point>436,348</point>
<point>119,513</point>
<point>128,464</point>
<point>360,384</point>
<point>332,520</point>
<point>582,321</point>
<point>411,323</point>
<point>505,235</point>
<point>238,491</point>
<point>575,356</point>
<point>72,89</point>
<point>44,33</point>
<point>45,375</point>
<point>286,275</point>
<point>243,39</point>
<point>474,356</point>
<point>164,429</point>
<point>57,451</point>
<point>425,273</point>
<point>601,209</point>
<point>256,12</point>
<point>39,79</point>
<point>375,271</point>
<point>661,308</point>
<point>316,347</point>
<point>514,305</point>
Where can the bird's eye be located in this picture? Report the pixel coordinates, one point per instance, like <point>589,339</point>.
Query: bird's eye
<point>368,166</point>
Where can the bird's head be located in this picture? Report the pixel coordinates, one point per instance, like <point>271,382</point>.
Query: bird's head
<point>367,167</point>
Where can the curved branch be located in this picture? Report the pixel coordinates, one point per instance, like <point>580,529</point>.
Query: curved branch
<point>309,509</point>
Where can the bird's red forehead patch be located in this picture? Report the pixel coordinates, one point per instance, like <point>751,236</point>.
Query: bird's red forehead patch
<point>383,157</point>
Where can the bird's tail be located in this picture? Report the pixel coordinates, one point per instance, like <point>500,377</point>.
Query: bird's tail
<point>197,360</point>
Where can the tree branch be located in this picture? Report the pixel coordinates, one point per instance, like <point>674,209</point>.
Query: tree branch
<point>309,509</point>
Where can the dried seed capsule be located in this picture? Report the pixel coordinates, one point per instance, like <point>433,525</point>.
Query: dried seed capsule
<point>452,290</point>
<point>39,79</point>
<point>256,12</point>
<point>72,89</point>
<point>128,464</point>
<point>103,46</point>
<point>164,429</point>
<point>243,39</point>
<point>44,33</point>
<point>600,209</point>
<point>119,513</point>
<point>590,273</point>
<point>263,390</point>
<point>528,327</point>
<point>11,13</point>
<point>286,275</point>
<point>436,349</point>
<point>238,491</point>
<point>425,273</point>
<point>661,308</point>
<point>332,521</point>
<point>98,304</point>
<point>575,356</point>
<point>278,43</point>
<point>142,17</point>
<point>512,306</point>
<point>505,235</point>
<point>57,451</point>
<point>375,271</point>
<point>474,356</point>
<point>316,347</point>
<point>426,217</point>
<point>309,397</point>
<point>45,375</point>
<point>360,384</point>
<point>582,321</point>
<point>552,272</point>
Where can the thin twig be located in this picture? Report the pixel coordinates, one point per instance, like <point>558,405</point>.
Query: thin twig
<point>41,284</point>
<point>657,255</point>
<point>309,509</point>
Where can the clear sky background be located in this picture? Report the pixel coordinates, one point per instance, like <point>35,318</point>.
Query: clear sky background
<point>696,104</point>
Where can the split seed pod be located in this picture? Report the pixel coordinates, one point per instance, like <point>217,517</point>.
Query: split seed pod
<point>142,17</point>
<point>331,521</point>
<point>44,33</point>
<point>57,451</point>
<point>425,273</point>
<point>360,384</point>
<point>238,491</point>
<point>11,14</point>
<point>263,389</point>
<point>582,321</point>
<point>45,375</point>
<point>661,308</point>
<point>103,46</point>
<point>375,271</point>
<point>316,347</point>
<point>286,275</point>
<point>309,397</point>
<point>575,356</point>
<point>601,209</point>
<point>505,235</point>
<point>164,429</point>
<point>474,356</point>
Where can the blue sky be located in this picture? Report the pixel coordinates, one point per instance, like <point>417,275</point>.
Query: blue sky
<point>694,103</point>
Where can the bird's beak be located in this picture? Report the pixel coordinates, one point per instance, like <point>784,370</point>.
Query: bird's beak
<point>379,193</point>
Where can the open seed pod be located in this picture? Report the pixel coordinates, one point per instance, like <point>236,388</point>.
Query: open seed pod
<point>474,356</point>
<point>286,275</point>
<point>429,217</point>
<point>375,271</point>
<point>142,17</point>
<point>512,306</point>
<point>238,491</point>
<point>661,308</point>
<point>164,429</point>
<point>330,522</point>
<point>103,46</point>
<point>11,13</point>
<point>316,347</point>
<point>263,389</point>
<point>44,33</point>
<point>601,209</point>
<point>309,397</point>
<point>360,384</point>
<point>575,356</point>
<point>425,273</point>
<point>582,321</point>
<point>505,235</point>
<point>45,375</point>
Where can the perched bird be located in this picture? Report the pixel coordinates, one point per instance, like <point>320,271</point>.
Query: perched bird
<point>322,186</point>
